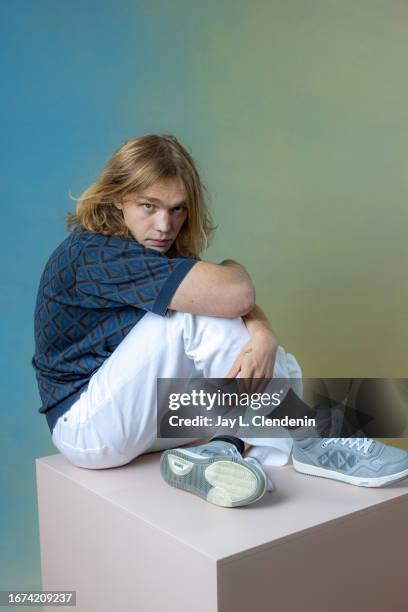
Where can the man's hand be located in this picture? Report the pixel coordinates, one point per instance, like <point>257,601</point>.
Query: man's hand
<point>256,360</point>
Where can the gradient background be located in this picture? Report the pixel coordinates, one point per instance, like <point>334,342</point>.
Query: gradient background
<point>296,113</point>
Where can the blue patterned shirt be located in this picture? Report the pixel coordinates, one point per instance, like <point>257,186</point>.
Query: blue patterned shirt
<point>93,290</point>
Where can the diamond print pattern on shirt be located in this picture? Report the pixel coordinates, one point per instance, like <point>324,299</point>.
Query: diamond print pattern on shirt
<point>93,290</point>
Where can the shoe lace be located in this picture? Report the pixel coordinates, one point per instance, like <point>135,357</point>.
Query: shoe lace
<point>363,444</point>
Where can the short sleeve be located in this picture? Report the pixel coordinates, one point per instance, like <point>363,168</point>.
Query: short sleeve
<point>113,272</point>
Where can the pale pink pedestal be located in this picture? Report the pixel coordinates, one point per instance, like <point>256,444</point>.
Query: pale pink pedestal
<point>126,541</point>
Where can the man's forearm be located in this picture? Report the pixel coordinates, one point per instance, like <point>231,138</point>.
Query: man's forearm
<point>257,322</point>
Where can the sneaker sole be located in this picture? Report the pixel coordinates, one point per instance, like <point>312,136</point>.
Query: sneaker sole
<point>380,481</point>
<point>223,481</point>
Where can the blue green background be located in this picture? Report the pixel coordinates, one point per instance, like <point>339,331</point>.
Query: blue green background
<point>296,114</point>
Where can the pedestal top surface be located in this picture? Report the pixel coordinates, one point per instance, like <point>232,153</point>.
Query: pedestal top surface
<point>298,503</point>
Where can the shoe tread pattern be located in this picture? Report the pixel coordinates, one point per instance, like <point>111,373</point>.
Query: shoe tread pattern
<point>224,481</point>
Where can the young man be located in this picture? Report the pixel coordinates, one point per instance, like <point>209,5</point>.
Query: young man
<point>125,300</point>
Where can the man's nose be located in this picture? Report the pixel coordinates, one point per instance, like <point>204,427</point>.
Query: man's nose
<point>162,222</point>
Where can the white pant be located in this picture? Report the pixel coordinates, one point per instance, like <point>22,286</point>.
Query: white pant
<point>114,419</point>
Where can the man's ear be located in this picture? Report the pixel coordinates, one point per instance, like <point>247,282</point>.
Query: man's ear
<point>118,205</point>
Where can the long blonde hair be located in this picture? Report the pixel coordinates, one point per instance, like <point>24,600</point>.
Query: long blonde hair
<point>136,165</point>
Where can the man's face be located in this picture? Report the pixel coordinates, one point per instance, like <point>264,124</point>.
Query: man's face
<point>155,216</point>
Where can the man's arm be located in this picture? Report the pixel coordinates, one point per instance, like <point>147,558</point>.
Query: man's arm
<point>223,290</point>
<point>257,322</point>
<point>226,290</point>
<point>257,357</point>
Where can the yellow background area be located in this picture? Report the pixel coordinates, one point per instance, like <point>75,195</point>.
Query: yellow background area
<point>306,154</point>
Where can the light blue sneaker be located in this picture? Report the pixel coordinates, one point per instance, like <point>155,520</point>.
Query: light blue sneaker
<point>359,461</point>
<point>217,472</point>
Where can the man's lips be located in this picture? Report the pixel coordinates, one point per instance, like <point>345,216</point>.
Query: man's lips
<point>159,242</point>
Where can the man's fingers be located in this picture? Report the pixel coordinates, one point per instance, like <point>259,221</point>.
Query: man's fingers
<point>242,385</point>
<point>262,384</point>
<point>235,368</point>
<point>245,381</point>
<point>257,382</point>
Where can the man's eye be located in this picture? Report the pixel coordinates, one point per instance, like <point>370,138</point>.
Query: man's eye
<point>147,206</point>
<point>178,209</point>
